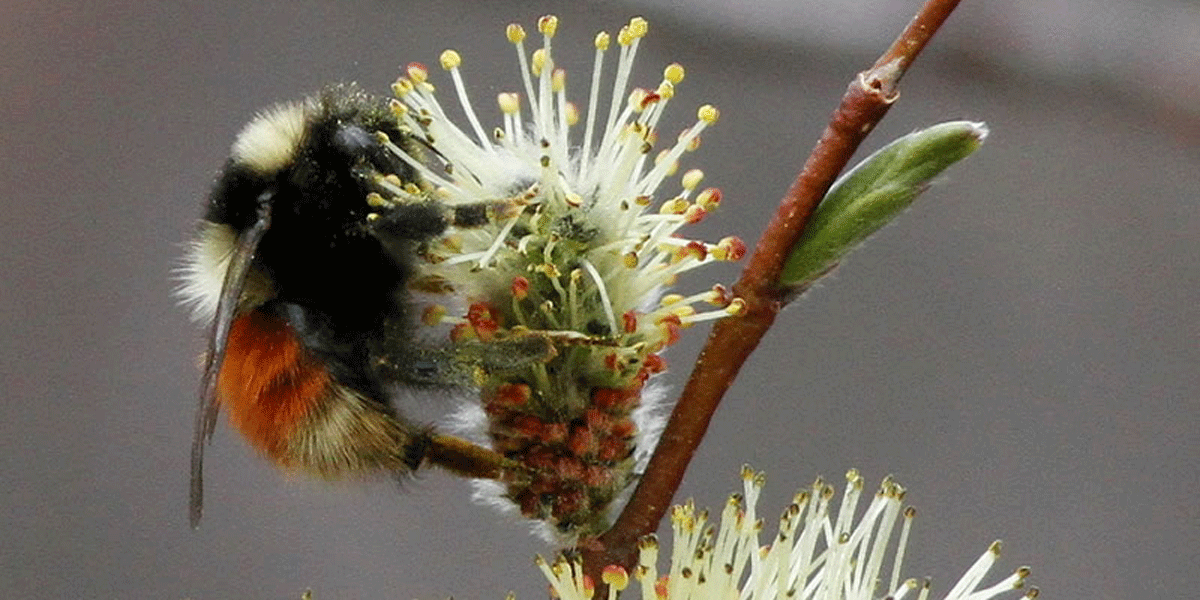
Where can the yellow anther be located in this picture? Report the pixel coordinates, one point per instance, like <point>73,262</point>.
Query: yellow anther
<point>674,73</point>
<point>684,311</point>
<point>509,102</point>
<point>450,60</point>
<point>638,27</point>
<point>730,248</point>
<point>515,33</point>
<point>402,87</point>
<point>548,25</point>
<point>615,576</point>
<point>417,73</point>
<point>736,307</point>
<point>538,62</point>
<point>709,199</point>
<point>624,38</point>
<point>674,206</point>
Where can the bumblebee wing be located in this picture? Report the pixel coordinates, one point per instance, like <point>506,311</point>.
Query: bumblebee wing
<point>227,306</point>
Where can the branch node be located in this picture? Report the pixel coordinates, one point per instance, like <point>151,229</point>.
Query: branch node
<point>883,80</point>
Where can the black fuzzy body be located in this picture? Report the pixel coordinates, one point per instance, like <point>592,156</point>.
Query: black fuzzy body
<point>338,282</point>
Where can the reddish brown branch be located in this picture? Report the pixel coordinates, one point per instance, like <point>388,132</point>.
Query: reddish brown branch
<point>912,40</point>
<point>732,340</point>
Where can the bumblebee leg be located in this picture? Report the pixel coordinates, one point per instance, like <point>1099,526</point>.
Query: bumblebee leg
<point>410,221</point>
<point>422,366</point>
<point>478,214</point>
<point>508,354</point>
<point>457,365</point>
<point>425,220</point>
<point>521,348</point>
<point>472,460</point>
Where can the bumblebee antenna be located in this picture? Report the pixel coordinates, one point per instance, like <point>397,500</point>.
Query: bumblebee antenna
<point>207,407</point>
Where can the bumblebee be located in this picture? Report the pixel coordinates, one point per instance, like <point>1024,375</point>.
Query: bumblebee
<point>304,284</point>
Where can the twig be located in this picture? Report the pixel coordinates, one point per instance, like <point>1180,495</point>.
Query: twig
<point>732,340</point>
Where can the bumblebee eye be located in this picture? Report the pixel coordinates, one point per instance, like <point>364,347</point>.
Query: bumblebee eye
<point>353,140</point>
<point>357,144</point>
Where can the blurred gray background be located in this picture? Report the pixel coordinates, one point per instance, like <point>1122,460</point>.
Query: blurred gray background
<point>1020,349</point>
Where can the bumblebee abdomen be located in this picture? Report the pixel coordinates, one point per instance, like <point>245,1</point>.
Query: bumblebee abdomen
<point>268,383</point>
<point>287,404</point>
